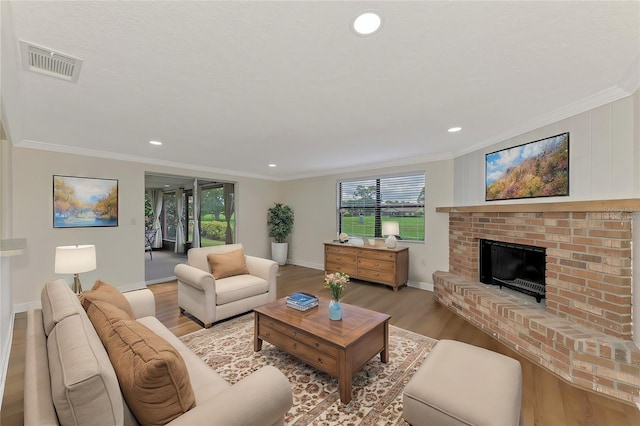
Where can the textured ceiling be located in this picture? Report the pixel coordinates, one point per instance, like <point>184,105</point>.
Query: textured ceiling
<point>233,86</point>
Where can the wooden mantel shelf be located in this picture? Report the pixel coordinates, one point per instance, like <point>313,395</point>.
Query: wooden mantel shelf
<point>627,204</point>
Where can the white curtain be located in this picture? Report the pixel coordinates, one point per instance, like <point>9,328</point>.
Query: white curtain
<point>156,204</point>
<point>196,214</point>
<point>228,211</point>
<point>179,246</point>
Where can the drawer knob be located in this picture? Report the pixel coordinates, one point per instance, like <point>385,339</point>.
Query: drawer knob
<point>293,334</point>
<point>317,345</point>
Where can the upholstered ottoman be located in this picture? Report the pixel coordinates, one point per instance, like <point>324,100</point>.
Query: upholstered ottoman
<point>462,384</point>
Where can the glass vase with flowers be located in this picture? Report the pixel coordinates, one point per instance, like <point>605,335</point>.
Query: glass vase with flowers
<point>336,282</point>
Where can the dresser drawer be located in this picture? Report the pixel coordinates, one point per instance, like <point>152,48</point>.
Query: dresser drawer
<point>378,276</point>
<point>377,254</point>
<point>343,259</point>
<point>266,326</point>
<point>339,267</point>
<point>378,265</point>
<point>340,250</point>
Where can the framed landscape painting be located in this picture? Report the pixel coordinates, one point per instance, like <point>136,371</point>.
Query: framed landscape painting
<point>84,202</point>
<point>530,170</point>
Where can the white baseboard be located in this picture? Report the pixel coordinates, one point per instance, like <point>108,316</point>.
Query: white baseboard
<point>318,266</point>
<point>420,285</point>
<point>24,307</point>
<point>131,287</point>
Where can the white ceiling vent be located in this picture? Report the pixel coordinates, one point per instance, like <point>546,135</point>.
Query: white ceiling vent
<point>48,62</point>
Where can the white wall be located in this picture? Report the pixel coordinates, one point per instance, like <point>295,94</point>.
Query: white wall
<point>603,151</point>
<point>314,203</point>
<point>120,250</point>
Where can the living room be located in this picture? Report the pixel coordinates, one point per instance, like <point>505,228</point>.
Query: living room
<point>604,132</point>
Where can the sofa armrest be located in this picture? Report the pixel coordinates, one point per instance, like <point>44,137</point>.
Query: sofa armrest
<point>194,277</point>
<point>142,302</point>
<point>262,398</point>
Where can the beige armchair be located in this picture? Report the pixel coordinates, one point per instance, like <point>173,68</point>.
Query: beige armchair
<point>211,300</point>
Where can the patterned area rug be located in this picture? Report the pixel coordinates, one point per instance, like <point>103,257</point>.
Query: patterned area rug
<point>377,388</point>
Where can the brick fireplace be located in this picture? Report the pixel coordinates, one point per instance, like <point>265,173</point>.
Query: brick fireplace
<point>584,333</point>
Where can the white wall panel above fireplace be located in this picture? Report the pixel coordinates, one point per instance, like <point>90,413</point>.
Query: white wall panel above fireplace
<point>603,149</point>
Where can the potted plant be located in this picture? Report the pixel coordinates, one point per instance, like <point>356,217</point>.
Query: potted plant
<point>280,219</point>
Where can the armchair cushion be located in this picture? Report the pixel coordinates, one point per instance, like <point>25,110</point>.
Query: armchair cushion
<point>108,293</point>
<point>229,264</point>
<point>239,287</point>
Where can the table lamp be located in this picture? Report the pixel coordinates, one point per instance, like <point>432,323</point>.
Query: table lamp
<point>391,229</point>
<point>74,260</point>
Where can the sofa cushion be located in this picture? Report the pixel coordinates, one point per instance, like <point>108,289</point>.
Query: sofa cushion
<point>58,303</point>
<point>229,264</point>
<point>153,376</point>
<point>107,293</point>
<point>84,386</point>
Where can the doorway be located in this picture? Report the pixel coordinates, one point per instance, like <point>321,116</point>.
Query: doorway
<point>187,213</point>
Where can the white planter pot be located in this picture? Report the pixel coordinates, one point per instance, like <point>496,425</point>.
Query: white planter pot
<point>279,252</point>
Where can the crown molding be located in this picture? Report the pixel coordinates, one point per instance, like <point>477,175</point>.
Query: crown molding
<point>65,149</point>
<point>373,166</point>
<point>630,80</point>
<point>590,102</point>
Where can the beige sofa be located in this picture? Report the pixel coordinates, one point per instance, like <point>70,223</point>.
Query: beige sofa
<point>211,299</point>
<point>69,378</point>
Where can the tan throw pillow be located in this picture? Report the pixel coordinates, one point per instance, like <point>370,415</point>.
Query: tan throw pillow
<point>227,264</point>
<point>153,376</point>
<point>103,316</point>
<point>107,293</point>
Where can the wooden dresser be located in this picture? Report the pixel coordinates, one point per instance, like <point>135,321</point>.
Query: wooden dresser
<point>376,264</point>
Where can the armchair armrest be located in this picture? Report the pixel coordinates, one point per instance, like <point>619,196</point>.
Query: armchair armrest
<point>264,268</point>
<point>194,277</point>
<point>262,398</point>
<point>142,302</point>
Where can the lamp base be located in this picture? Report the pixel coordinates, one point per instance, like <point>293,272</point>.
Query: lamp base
<point>76,287</point>
<point>390,242</point>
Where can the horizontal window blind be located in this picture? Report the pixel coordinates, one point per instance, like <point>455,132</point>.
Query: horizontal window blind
<point>364,204</point>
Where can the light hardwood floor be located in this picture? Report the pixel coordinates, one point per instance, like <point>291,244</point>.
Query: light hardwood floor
<point>546,400</point>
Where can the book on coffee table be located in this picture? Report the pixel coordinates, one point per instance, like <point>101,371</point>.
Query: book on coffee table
<point>302,301</point>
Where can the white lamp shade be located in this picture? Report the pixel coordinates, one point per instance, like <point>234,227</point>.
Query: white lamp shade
<point>390,228</point>
<point>75,259</point>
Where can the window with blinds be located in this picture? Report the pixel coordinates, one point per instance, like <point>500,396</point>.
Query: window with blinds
<point>365,204</point>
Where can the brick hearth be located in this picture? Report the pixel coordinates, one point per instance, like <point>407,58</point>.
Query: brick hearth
<point>584,334</point>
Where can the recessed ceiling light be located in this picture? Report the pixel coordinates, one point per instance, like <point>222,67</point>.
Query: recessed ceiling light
<point>272,165</point>
<point>155,142</point>
<point>367,23</point>
<point>454,129</point>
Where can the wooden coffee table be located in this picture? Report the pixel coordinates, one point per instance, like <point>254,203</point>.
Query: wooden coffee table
<point>338,348</point>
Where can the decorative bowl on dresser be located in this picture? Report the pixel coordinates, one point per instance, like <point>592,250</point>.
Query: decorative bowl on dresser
<point>376,264</point>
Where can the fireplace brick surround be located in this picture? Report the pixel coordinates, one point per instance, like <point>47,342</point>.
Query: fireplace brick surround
<point>584,333</point>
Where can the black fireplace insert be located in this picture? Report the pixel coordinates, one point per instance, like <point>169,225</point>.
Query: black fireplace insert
<point>516,266</point>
